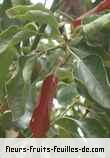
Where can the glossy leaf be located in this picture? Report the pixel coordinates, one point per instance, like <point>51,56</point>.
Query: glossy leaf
<point>97,26</point>
<point>93,76</point>
<point>66,94</point>
<point>89,127</point>
<point>67,128</point>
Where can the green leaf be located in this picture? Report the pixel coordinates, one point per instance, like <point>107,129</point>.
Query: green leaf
<point>84,49</point>
<point>5,123</point>
<point>89,128</point>
<point>92,128</point>
<point>18,2</point>
<point>22,35</point>
<point>14,34</point>
<point>98,24</point>
<point>66,94</point>
<point>108,73</point>
<point>51,59</point>
<point>103,117</point>
<point>65,74</point>
<point>5,61</point>
<point>67,128</point>
<point>23,9</point>
<point>17,95</point>
<point>92,74</point>
<point>31,69</point>
<point>33,95</point>
<point>89,19</point>
<point>41,17</point>
<point>5,119</point>
<point>82,90</point>
<point>27,70</point>
<point>6,37</point>
<point>97,28</point>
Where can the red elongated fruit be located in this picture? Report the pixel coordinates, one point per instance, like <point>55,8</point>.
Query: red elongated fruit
<point>105,4</point>
<point>77,22</point>
<point>40,121</point>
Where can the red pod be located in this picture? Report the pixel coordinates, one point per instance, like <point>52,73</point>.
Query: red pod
<point>77,22</point>
<point>100,7</point>
<point>40,121</point>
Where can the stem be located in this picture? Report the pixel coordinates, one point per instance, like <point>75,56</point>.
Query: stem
<point>66,16</point>
<point>54,48</point>
<point>73,53</point>
<point>42,28</point>
<point>64,112</point>
<point>38,37</point>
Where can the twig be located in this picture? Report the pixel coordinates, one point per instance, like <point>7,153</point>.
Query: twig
<point>64,112</point>
<point>66,15</point>
<point>73,53</point>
